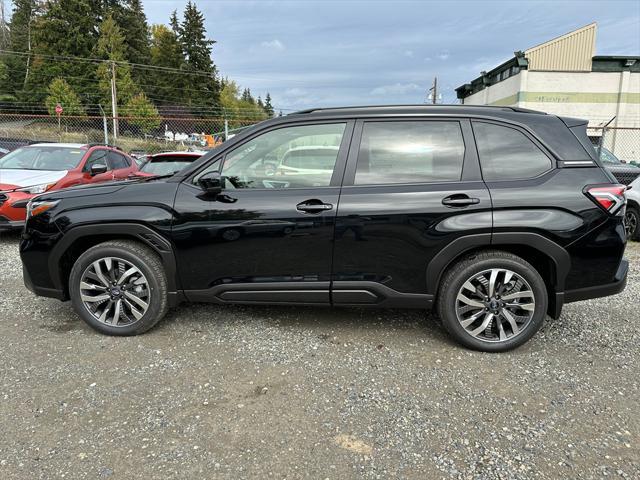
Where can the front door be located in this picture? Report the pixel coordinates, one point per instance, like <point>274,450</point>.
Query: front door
<point>412,189</point>
<point>269,236</point>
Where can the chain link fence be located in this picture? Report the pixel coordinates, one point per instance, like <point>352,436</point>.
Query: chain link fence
<point>133,134</point>
<point>623,142</point>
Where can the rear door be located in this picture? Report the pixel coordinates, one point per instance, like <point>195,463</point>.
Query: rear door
<point>412,188</point>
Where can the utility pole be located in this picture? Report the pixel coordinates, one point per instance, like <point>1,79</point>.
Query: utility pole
<point>434,91</point>
<point>114,101</point>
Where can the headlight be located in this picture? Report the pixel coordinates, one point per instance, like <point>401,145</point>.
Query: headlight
<point>35,207</point>
<point>34,189</point>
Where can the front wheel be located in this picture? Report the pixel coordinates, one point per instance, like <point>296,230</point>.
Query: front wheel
<point>119,288</point>
<point>492,301</point>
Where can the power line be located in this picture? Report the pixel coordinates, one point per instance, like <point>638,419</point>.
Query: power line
<point>71,58</point>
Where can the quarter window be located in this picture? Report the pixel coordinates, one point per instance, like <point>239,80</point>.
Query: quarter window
<point>410,152</point>
<point>508,154</point>
<point>291,157</point>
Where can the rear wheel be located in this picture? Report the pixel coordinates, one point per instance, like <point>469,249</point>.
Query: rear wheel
<point>119,288</point>
<point>632,223</point>
<point>493,301</point>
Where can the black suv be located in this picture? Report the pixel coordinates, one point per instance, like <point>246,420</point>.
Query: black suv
<point>493,216</point>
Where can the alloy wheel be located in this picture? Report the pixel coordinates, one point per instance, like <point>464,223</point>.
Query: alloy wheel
<point>630,223</point>
<point>495,305</point>
<point>115,291</point>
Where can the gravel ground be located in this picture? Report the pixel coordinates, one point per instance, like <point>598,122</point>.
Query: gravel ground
<point>265,392</point>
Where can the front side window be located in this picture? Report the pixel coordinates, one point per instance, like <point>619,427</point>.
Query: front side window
<point>97,157</point>
<point>508,154</point>
<point>410,152</point>
<point>290,157</point>
<point>43,158</point>
<point>118,161</point>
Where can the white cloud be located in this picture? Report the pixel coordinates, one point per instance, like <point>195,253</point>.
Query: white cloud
<point>408,53</point>
<point>396,89</point>
<point>443,55</point>
<point>274,44</point>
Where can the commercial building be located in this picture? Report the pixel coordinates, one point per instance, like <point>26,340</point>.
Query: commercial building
<point>564,76</point>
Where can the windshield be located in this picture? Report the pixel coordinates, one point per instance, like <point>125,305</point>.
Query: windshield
<point>43,158</point>
<point>166,165</point>
<point>607,157</point>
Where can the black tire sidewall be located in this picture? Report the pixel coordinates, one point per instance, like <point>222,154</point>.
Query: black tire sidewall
<point>635,235</point>
<point>448,313</point>
<point>156,291</point>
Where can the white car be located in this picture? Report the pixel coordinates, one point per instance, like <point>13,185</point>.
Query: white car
<point>632,216</point>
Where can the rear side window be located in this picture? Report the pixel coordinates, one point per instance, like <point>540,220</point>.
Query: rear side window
<point>410,152</point>
<point>508,154</point>
<point>118,161</point>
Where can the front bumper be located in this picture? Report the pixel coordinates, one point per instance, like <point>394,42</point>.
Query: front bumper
<point>618,285</point>
<point>13,211</point>
<point>7,225</point>
<point>40,291</point>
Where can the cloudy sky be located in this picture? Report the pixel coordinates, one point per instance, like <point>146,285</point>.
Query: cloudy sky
<point>332,52</point>
<point>339,52</point>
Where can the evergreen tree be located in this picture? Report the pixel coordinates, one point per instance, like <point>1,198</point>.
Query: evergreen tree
<point>174,23</point>
<point>166,51</point>
<point>267,105</point>
<point>133,25</point>
<point>60,92</point>
<point>111,46</point>
<point>65,28</point>
<point>202,85</point>
<point>20,40</point>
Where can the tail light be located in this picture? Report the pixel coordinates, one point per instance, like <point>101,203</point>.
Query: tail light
<point>611,197</point>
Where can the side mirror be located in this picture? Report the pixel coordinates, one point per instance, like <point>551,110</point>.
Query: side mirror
<point>211,183</point>
<point>97,169</point>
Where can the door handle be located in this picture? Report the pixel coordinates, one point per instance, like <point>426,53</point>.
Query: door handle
<point>313,206</point>
<point>459,200</point>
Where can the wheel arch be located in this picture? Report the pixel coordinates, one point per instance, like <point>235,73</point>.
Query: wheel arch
<point>548,258</point>
<point>78,239</point>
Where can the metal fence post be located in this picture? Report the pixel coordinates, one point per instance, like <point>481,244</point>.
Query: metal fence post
<point>104,126</point>
<point>604,130</point>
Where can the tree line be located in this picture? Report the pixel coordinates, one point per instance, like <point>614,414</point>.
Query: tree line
<point>68,51</point>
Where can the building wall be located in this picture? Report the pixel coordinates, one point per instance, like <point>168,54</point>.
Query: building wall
<point>594,96</point>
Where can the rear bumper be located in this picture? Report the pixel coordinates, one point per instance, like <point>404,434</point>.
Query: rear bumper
<point>618,285</point>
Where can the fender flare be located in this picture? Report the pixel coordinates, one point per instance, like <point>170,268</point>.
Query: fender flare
<point>136,231</point>
<point>558,255</point>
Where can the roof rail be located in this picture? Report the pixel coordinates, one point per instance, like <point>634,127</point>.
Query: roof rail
<point>426,106</point>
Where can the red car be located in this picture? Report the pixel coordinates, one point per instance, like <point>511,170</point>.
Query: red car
<point>166,163</point>
<point>29,171</point>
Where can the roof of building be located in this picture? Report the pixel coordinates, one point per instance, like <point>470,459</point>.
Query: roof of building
<point>572,52</point>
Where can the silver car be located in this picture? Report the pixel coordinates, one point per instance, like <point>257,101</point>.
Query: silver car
<point>632,216</point>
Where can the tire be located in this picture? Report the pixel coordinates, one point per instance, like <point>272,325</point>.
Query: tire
<point>632,215</point>
<point>148,284</point>
<point>454,295</point>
